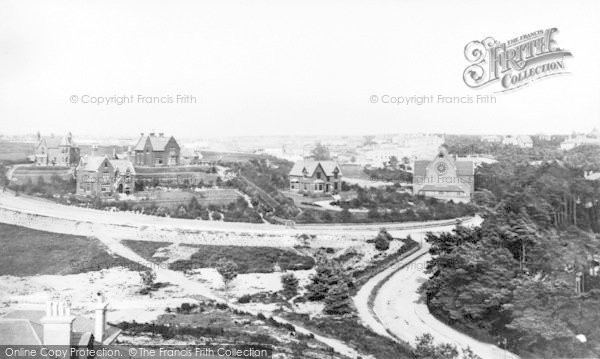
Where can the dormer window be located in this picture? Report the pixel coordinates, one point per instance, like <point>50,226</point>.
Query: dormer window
<point>304,172</point>
<point>335,173</point>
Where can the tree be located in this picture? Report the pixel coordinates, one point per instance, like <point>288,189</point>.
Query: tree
<point>148,277</point>
<point>393,162</point>
<point>321,152</point>
<point>228,270</point>
<point>382,241</point>
<point>328,275</point>
<point>426,349</point>
<point>290,284</point>
<point>337,300</point>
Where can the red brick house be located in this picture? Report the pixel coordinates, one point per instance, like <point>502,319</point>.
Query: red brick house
<point>155,151</point>
<point>316,176</point>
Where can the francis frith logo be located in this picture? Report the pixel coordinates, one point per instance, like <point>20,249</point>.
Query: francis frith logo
<point>514,63</point>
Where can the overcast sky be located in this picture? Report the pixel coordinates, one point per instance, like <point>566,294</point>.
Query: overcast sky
<point>284,67</point>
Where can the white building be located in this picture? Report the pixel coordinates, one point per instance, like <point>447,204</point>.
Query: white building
<point>522,141</point>
<point>575,140</point>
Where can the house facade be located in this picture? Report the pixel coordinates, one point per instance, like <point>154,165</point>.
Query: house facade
<point>102,176</point>
<point>61,152</point>
<point>156,150</point>
<point>316,176</point>
<point>444,178</point>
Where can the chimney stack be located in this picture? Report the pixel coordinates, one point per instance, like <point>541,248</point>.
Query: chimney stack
<point>152,134</point>
<point>93,151</point>
<point>161,134</point>
<point>57,324</point>
<point>100,318</point>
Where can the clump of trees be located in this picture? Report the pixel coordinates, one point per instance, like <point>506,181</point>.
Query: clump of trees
<point>331,285</point>
<point>514,278</point>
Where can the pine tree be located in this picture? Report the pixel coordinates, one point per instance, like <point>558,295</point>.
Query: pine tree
<point>290,285</point>
<point>337,300</point>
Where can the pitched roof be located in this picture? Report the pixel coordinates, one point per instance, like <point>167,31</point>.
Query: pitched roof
<point>91,163</point>
<point>13,322</point>
<point>123,165</point>
<point>311,166</point>
<point>18,332</point>
<point>157,143</point>
<point>420,167</point>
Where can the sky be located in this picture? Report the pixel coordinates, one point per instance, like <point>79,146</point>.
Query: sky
<point>284,67</point>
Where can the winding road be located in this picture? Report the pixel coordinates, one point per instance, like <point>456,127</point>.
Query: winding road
<point>390,305</point>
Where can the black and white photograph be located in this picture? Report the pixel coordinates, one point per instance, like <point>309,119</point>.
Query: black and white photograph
<point>284,179</point>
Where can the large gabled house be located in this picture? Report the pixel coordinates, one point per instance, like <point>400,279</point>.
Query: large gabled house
<point>52,151</point>
<point>316,176</point>
<point>155,151</point>
<point>104,176</point>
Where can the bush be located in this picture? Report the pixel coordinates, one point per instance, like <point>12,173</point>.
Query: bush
<point>290,284</point>
<point>246,298</point>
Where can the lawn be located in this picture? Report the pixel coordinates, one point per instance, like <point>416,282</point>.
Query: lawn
<point>248,259</point>
<point>27,252</point>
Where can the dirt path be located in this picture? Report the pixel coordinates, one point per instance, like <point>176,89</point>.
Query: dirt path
<point>179,279</point>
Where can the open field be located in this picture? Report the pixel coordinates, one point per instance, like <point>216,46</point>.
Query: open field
<point>248,259</point>
<point>211,156</point>
<point>27,252</point>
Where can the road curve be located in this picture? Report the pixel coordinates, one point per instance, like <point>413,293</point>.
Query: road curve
<point>389,305</point>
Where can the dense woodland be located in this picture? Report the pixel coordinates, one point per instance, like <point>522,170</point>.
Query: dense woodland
<point>513,280</point>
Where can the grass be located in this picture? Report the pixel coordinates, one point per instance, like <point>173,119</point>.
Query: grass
<point>28,252</point>
<point>248,259</point>
<point>349,330</point>
<point>146,249</point>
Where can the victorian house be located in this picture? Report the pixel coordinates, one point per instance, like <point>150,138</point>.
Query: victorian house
<point>316,176</point>
<point>104,176</point>
<point>56,151</point>
<point>154,151</point>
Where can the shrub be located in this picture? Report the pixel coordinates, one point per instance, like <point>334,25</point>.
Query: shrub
<point>228,270</point>
<point>290,284</point>
<point>246,298</point>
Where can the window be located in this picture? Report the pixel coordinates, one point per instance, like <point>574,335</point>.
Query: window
<point>335,185</point>
<point>105,177</point>
<point>105,188</point>
<point>320,187</point>
<point>172,151</point>
<point>158,161</point>
<point>318,175</point>
<point>335,173</point>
